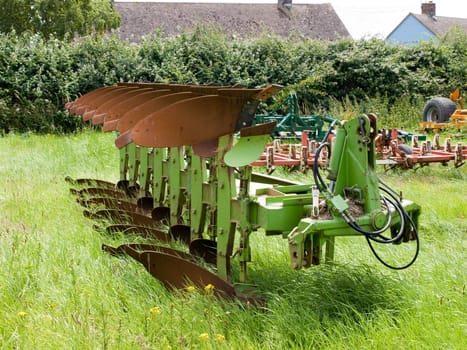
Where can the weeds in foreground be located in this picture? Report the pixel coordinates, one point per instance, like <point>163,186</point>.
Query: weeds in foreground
<point>58,290</point>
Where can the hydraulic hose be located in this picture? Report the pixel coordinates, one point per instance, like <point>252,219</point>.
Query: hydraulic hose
<point>389,200</point>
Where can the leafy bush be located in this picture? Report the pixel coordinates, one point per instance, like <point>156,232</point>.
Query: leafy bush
<point>38,76</point>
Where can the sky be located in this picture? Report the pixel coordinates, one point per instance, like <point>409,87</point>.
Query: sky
<point>368,18</point>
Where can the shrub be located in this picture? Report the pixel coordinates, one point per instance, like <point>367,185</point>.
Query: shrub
<point>37,76</point>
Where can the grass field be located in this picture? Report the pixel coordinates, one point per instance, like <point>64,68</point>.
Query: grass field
<point>59,291</point>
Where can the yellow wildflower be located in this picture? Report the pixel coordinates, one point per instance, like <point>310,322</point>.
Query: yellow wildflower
<point>155,310</point>
<point>219,337</point>
<point>191,288</point>
<point>209,288</point>
<point>22,314</point>
<point>203,336</point>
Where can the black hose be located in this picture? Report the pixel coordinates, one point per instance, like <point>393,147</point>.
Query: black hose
<point>417,249</point>
<point>320,184</point>
<point>375,236</point>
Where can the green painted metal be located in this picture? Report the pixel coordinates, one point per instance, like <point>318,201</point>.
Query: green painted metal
<point>159,176</point>
<point>198,207</point>
<point>246,150</point>
<point>133,163</point>
<point>144,171</point>
<point>175,191</point>
<point>292,124</point>
<point>225,226</point>
<point>212,196</point>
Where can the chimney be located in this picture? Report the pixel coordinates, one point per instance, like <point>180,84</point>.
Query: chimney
<point>284,4</point>
<point>429,8</point>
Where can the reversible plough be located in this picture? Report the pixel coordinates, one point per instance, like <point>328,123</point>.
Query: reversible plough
<point>186,175</point>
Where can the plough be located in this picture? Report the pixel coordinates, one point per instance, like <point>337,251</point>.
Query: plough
<point>186,175</point>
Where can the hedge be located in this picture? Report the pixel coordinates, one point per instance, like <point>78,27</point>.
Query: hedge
<point>38,76</point>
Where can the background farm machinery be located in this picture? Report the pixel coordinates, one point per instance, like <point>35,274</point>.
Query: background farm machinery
<point>442,113</point>
<point>186,175</point>
<point>297,137</point>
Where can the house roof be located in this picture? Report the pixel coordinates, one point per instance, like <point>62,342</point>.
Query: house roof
<point>439,25</point>
<point>316,21</point>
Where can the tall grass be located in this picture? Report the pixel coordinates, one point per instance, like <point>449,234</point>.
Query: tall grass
<point>59,291</point>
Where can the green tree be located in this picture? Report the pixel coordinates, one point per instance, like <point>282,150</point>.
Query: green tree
<point>59,18</point>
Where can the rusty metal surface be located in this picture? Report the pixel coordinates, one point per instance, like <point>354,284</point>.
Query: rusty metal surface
<point>111,203</point>
<point>122,216</point>
<point>142,231</point>
<point>260,129</point>
<point>268,92</point>
<point>73,105</point>
<point>148,109</point>
<point>113,95</point>
<point>99,192</point>
<point>205,249</point>
<point>89,182</point>
<point>178,273</point>
<point>206,149</point>
<point>115,112</point>
<point>123,140</point>
<point>99,113</point>
<point>134,249</point>
<point>133,115</point>
<point>147,84</point>
<point>189,122</point>
<point>92,100</point>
